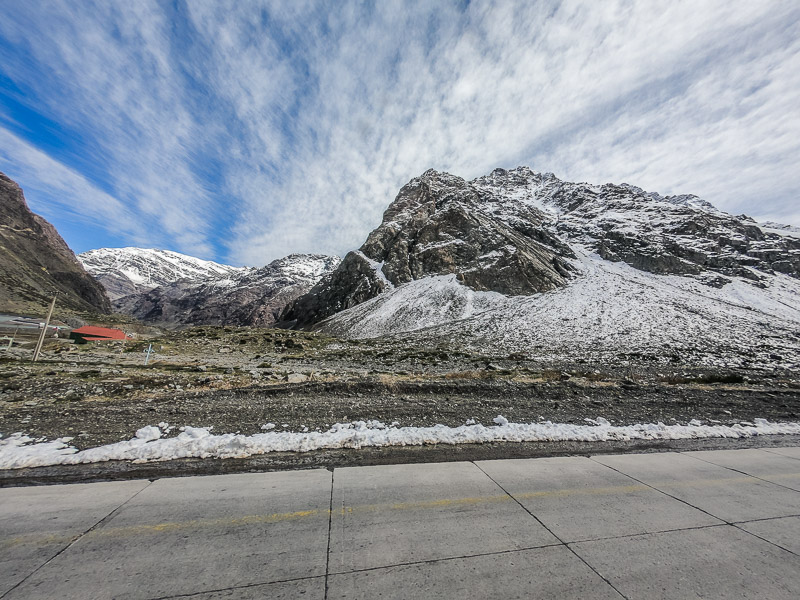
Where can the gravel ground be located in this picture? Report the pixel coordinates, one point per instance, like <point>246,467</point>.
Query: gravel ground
<point>237,379</point>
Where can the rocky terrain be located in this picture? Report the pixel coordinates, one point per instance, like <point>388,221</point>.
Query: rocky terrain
<point>678,235</point>
<point>126,271</point>
<point>241,297</point>
<point>561,271</point>
<point>237,379</point>
<point>36,263</point>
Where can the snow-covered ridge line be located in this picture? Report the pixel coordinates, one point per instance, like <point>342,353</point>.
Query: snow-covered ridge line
<point>19,451</point>
<point>145,265</point>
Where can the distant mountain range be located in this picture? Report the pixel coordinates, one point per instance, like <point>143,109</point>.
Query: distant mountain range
<point>126,271</point>
<point>172,289</point>
<point>525,262</point>
<point>36,263</point>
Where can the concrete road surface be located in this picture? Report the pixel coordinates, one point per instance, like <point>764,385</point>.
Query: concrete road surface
<point>719,524</point>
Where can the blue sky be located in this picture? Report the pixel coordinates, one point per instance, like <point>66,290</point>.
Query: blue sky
<point>243,131</point>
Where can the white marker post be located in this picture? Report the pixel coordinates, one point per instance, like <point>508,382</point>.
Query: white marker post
<point>147,353</point>
<point>39,344</point>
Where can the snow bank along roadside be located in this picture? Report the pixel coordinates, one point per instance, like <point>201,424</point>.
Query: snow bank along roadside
<point>19,450</point>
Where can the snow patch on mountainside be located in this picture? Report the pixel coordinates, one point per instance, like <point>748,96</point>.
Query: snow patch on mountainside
<point>415,305</point>
<point>780,229</point>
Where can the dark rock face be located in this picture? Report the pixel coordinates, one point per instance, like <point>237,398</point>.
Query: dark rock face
<point>439,224</point>
<point>354,281</point>
<point>253,297</point>
<point>35,261</point>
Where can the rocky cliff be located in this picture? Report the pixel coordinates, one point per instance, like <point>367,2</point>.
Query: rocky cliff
<point>35,262</point>
<point>437,225</point>
<point>681,235</point>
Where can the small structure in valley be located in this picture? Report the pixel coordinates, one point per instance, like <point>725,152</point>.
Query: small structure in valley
<point>90,333</point>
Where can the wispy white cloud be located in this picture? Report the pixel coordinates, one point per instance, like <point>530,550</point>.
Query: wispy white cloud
<point>250,130</point>
<point>71,192</point>
<point>104,69</point>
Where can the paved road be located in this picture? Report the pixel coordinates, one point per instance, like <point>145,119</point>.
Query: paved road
<point>717,524</point>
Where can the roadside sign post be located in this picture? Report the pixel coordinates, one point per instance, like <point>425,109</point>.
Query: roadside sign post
<point>43,333</point>
<point>147,354</point>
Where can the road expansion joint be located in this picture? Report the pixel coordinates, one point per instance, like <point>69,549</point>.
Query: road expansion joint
<point>765,519</point>
<point>235,587</point>
<point>330,527</point>
<point>771,451</point>
<point>726,522</point>
<point>738,471</point>
<point>646,533</point>
<point>561,542</point>
<point>660,491</point>
<point>431,561</point>
<point>75,539</point>
<point>763,539</point>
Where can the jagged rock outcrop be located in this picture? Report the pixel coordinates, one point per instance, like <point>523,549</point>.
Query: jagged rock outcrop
<point>35,262</point>
<point>681,235</point>
<point>439,224</point>
<point>242,297</point>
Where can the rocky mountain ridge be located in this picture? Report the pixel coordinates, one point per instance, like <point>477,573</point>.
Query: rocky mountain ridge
<point>35,262</point>
<point>517,232</point>
<point>126,271</point>
<point>440,224</point>
<point>243,296</point>
<point>681,235</point>
<point>524,262</point>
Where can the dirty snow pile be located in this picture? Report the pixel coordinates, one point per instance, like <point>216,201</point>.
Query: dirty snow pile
<point>19,450</point>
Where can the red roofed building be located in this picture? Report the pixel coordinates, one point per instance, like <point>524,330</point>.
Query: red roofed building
<point>90,333</point>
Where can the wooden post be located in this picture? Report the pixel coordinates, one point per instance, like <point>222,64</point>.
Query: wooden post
<point>44,330</point>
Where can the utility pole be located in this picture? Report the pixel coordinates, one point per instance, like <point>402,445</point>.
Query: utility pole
<point>44,330</point>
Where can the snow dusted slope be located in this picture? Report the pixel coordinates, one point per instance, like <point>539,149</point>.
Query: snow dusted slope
<point>124,271</point>
<point>780,229</point>
<point>611,312</point>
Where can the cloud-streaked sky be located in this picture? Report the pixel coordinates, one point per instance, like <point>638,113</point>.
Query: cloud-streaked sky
<point>243,131</point>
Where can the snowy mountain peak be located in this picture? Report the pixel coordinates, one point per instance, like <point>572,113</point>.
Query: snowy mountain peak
<point>243,297</point>
<point>310,267</point>
<point>125,271</point>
